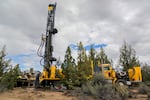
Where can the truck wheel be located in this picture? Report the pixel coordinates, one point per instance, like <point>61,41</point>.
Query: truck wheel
<point>121,82</point>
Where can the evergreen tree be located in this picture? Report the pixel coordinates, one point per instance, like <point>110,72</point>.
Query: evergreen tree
<point>84,64</point>
<point>82,57</point>
<point>4,64</point>
<point>92,54</point>
<point>9,78</point>
<point>102,58</point>
<point>128,57</point>
<point>92,59</point>
<point>69,70</point>
<point>145,72</point>
<point>8,73</point>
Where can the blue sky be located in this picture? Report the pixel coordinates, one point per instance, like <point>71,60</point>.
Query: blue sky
<point>88,47</point>
<point>25,61</point>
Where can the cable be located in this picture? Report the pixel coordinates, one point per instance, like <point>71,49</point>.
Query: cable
<point>39,51</point>
<point>41,62</point>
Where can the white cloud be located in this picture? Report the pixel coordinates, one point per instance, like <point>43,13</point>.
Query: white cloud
<point>99,21</point>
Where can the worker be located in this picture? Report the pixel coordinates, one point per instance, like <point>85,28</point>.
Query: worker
<point>37,79</point>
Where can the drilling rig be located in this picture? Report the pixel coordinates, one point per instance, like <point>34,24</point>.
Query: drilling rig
<point>51,74</point>
<point>48,76</point>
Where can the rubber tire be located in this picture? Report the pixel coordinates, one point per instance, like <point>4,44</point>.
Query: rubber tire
<point>121,82</point>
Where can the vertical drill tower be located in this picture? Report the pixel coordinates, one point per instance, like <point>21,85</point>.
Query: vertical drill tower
<point>50,31</point>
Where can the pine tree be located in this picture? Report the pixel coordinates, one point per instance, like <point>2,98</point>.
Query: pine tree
<point>92,59</point>
<point>8,73</point>
<point>145,72</point>
<point>81,53</point>
<point>102,58</point>
<point>128,57</point>
<point>92,53</point>
<point>69,70</point>
<point>4,64</point>
<point>84,65</point>
<point>9,78</point>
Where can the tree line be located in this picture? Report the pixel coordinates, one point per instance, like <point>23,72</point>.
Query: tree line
<point>77,70</point>
<point>8,72</point>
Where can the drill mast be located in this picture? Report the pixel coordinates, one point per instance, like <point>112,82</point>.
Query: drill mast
<point>50,31</point>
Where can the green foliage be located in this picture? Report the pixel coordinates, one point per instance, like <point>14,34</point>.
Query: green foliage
<point>144,89</point>
<point>92,53</point>
<point>128,57</point>
<point>69,70</point>
<point>81,53</point>
<point>8,73</point>
<point>101,90</point>
<point>84,70</point>
<point>78,74</point>
<point>122,91</point>
<point>146,73</point>
<point>4,64</point>
<point>84,64</point>
<point>9,78</point>
<point>102,58</point>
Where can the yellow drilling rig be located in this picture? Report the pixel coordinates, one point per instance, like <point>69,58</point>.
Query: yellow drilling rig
<point>49,75</point>
<point>129,77</point>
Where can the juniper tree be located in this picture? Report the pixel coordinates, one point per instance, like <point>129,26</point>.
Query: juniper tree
<point>145,72</point>
<point>4,64</point>
<point>69,70</point>
<point>92,54</point>
<point>128,58</point>
<point>8,73</point>
<point>84,64</point>
<point>102,58</point>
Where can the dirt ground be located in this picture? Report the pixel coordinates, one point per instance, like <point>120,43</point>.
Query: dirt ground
<point>32,94</point>
<point>135,95</point>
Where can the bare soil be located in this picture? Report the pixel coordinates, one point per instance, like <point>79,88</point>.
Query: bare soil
<point>135,95</point>
<point>33,94</point>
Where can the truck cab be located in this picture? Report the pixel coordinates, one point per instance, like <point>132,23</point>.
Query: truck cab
<point>107,71</point>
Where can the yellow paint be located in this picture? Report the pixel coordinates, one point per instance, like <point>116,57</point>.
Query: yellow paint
<point>53,72</point>
<point>50,8</point>
<point>108,71</point>
<point>44,74</point>
<point>92,68</point>
<point>135,74</point>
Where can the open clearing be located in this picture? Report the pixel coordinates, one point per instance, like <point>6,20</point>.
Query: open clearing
<point>32,94</point>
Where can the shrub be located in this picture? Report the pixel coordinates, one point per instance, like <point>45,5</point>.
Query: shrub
<point>99,79</point>
<point>8,79</point>
<point>101,90</point>
<point>122,90</point>
<point>147,83</point>
<point>144,89</point>
<point>8,73</point>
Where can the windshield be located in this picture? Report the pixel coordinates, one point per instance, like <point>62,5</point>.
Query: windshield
<point>106,68</point>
